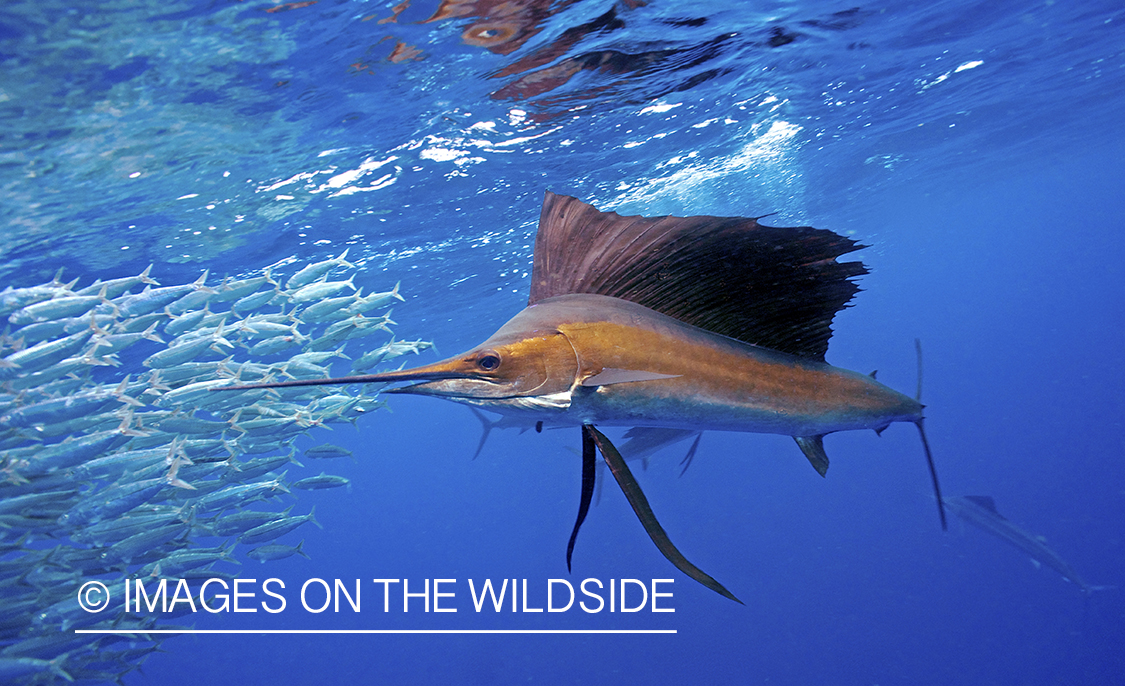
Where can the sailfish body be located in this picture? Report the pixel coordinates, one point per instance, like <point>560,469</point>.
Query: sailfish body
<point>682,323</point>
<point>594,359</point>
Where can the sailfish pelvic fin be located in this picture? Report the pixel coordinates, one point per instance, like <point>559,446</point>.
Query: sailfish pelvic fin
<point>639,503</point>
<point>589,463</point>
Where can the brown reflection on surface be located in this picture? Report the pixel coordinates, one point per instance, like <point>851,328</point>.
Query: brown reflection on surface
<point>630,67</point>
<point>648,70</point>
<point>395,11</point>
<point>403,52</point>
<point>501,26</point>
<point>568,39</point>
<point>291,6</point>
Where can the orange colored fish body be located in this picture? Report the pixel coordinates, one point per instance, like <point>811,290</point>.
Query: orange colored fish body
<point>593,359</point>
<point>714,382</point>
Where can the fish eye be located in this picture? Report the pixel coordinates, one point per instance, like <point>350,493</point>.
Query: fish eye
<point>488,361</point>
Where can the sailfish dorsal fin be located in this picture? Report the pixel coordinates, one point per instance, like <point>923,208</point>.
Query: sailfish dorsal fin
<point>986,502</point>
<point>777,287</point>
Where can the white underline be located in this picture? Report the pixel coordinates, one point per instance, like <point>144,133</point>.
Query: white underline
<point>373,631</point>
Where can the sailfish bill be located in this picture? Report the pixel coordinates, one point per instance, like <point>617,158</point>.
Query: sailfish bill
<point>680,324</point>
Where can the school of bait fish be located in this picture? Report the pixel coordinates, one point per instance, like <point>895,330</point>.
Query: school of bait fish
<point>117,460</point>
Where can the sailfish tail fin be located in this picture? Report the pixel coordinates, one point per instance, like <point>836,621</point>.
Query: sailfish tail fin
<point>933,475</point>
<point>926,444</point>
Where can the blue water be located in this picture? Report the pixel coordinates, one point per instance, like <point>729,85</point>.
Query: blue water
<point>975,147</point>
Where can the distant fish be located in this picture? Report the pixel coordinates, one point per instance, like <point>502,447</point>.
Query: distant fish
<point>116,287</point>
<point>16,667</point>
<point>326,450</point>
<point>152,299</point>
<point>314,272</point>
<point>234,290</point>
<point>980,511</point>
<point>12,299</point>
<point>277,528</point>
<point>321,481</point>
<point>376,300</point>
<point>57,308</point>
<point>276,551</point>
<point>319,290</point>
<point>42,355</point>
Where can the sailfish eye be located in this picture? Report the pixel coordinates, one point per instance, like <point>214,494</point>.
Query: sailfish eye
<point>488,360</point>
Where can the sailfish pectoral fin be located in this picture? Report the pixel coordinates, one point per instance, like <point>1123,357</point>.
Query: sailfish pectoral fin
<point>640,505</point>
<point>589,462</point>
<point>813,448</point>
<point>487,429</point>
<point>686,462</point>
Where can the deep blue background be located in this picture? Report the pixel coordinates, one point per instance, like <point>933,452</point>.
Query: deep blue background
<point>991,199</point>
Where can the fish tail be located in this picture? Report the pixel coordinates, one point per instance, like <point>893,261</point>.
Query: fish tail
<point>55,666</point>
<point>150,333</point>
<point>145,278</point>
<point>293,458</point>
<point>342,262</point>
<point>125,428</point>
<point>933,475</point>
<point>176,481</point>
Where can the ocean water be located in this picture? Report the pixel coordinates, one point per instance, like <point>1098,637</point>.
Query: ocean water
<point>974,147</point>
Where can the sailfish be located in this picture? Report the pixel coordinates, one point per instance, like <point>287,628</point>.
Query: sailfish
<point>669,323</point>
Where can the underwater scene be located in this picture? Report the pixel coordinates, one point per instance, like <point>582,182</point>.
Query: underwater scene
<point>571,342</point>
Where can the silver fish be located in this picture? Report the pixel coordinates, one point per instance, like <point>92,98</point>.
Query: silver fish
<point>312,272</point>
<point>115,287</point>
<point>235,290</point>
<point>321,481</point>
<point>275,551</point>
<point>321,289</point>
<point>376,300</point>
<point>42,355</point>
<point>56,308</point>
<point>277,528</point>
<point>151,299</point>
